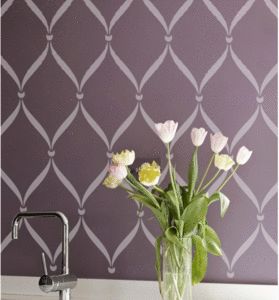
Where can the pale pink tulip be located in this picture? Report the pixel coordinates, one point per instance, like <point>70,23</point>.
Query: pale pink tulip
<point>198,136</point>
<point>166,131</point>
<point>218,142</point>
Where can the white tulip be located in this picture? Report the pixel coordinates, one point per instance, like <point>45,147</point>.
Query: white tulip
<point>166,131</point>
<point>243,155</point>
<point>198,136</point>
<point>218,142</point>
<point>223,162</point>
<point>118,171</point>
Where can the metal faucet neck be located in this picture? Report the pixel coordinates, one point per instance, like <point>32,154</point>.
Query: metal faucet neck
<point>65,238</point>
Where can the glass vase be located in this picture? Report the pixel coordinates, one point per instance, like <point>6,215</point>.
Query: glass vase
<point>177,270</point>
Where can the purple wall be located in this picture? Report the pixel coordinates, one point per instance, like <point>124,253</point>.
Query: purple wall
<point>82,79</point>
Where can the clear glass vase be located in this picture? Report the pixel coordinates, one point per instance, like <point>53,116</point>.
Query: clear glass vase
<point>177,270</point>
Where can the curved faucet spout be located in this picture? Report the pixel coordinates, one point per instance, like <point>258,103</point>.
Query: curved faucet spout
<point>65,223</point>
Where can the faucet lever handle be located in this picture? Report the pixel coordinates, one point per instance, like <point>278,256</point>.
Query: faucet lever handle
<point>44,263</point>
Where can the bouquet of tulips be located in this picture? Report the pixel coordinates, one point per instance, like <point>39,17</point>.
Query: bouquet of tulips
<point>180,210</point>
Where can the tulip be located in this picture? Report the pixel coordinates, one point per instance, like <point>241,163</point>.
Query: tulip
<point>149,174</point>
<point>198,136</point>
<point>118,171</point>
<point>218,142</point>
<point>111,182</point>
<point>243,155</point>
<point>166,131</point>
<point>223,162</point>
<point>125,158</point>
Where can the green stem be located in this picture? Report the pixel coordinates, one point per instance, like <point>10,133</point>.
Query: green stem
<point>206,172</point>
<point>211,180</point>
<point>170,171</point>
<point>157,188</point>
<point>227,179</point>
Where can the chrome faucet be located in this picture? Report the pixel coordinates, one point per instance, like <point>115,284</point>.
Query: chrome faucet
<point>65,281</point>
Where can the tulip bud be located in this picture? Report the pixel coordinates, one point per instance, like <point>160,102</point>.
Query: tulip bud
<point>198,136</point>
<point>118,171</point>
<point>243,155</point>
<point>218,142</point>
<point>166,131</point>
<point>125,158</point>
<point>223,162</point>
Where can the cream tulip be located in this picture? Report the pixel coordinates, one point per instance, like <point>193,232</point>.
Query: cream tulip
<point>243,155</point>
<point>111,182</point>
<point>166,131</point>
<point>223,162</point>
<point>125,158</point>
<point>198,136</point>
<point>218,142</point>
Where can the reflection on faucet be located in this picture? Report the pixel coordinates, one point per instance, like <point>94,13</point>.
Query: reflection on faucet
<point>64,282</point>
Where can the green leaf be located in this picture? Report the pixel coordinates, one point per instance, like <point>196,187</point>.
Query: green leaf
<point>199,264</point>
<point>192,174</point>
<point>158,261</point>
<point>184,195</point>
<point>171,235</point>
<point>157,213</point>
<point>224,202</point>
<point>213,243</point>
<point>194,213</point>
<point>173,203</point>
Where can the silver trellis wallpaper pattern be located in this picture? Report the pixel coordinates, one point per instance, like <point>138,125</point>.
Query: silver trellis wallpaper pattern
<point>84,78</point>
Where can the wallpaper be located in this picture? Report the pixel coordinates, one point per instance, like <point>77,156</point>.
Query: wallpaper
<point>82,79</point>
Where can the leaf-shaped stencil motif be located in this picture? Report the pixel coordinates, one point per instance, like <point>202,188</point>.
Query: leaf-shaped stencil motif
<point>96,241</point>
<point>35,9</point>
<point>272,7</point>
<point>7,240</point>
<point>180,12</point>
<point>268,122</point>
<point>94,67</point>
<point>185,71</point>
<point>36,124</point>
<point>245,246</point>
<point>38,239</point>
<point>270,75</point>
<point>64,67</point>
<point>180,180</point>
<point>245,71</point>
<point>124,126</point>
<point>94,125</point>
<point>212,126</point>
<point>148,234</point>
<point>124,68</point>
<point>59,13</point>
<point>10,71</point>
<point>34,67</point>
<point>241,13</point>
<point>245,188</point>
<point>65,125</point>
<point>164,174</point>
<point>9,121</point>
<point>272,244</point>
<point>38,180</point>
<point>270,194</point>
<point>120,12</point>
<point>147,119</point>
<point>245,128</point>
<point>95,11</point>
<point>185,126</point>
<point>96,182</point>
<point>156,13</point>
<point>124,244</point>
<point>213,70</point>
<point>153,68</point>
<point>72,235</point>
<point>66,183</point>
<point>225,259</point>
<point>6,6</point>
<point>11,186</point>
<point>216,13</point>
